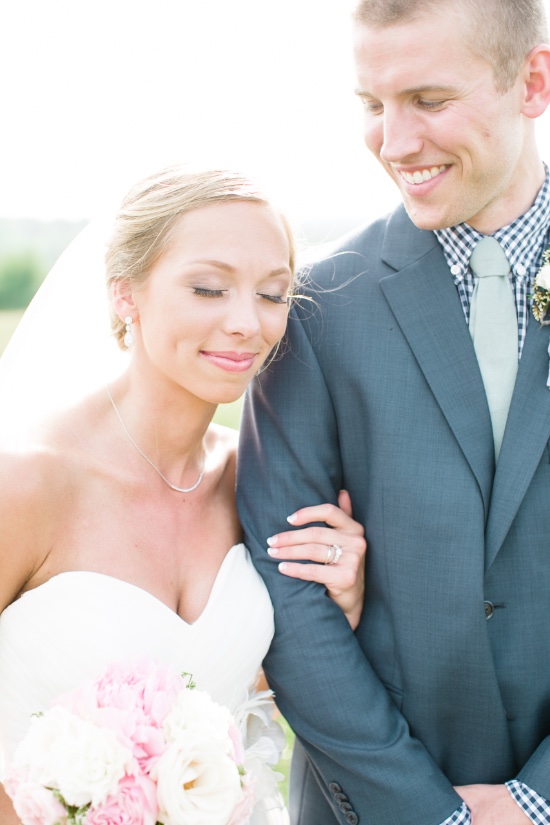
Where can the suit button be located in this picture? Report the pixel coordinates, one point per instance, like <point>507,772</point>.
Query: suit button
<point>352,818</point>
<point>334,787</point>
<point>489,610</point>
<point>340,797</point>
<point>345,807</point>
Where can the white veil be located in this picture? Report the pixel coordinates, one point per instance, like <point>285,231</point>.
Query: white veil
<point>63,348</point>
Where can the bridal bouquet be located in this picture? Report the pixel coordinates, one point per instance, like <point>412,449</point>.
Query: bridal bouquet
<point>140,746</point>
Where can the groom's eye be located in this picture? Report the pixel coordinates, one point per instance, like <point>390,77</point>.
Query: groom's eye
<point>373,106</point>
<point>431,104</point>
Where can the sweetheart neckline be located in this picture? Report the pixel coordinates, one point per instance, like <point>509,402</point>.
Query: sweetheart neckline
<point>136,587</point>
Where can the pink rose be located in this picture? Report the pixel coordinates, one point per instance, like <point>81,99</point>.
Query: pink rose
<point>145,685</point>
<point>132,700</point>
<point>134,804</point>
<point>34,804</point>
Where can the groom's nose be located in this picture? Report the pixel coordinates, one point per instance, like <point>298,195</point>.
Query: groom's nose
<point>399,135</point>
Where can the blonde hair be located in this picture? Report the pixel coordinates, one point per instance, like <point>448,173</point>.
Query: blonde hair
<point>503,31</point>
<point>151,209</point>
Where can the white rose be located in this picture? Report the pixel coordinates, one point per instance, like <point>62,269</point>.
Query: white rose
<point>543,277</point>
<point>197,782</point>
<point>83,761</point>
<point>195,712</point>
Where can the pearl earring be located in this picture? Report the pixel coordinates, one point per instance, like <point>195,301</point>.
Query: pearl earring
<point>128,337</point>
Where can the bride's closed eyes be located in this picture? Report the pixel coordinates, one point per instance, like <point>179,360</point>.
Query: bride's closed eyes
<point>205,292</point>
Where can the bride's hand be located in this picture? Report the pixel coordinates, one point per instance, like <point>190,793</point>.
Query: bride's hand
<point>337,552</point>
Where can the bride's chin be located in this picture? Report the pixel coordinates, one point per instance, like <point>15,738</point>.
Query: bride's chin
<point>225,392</point>
<point>229,398</point>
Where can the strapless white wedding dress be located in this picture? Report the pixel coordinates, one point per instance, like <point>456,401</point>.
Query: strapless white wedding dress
<point>71,628</point>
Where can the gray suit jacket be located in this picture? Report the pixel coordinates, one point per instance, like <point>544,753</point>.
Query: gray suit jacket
<point>379,392</point>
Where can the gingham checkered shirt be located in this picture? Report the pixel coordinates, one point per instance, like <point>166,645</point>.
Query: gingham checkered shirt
<point>524,242</point>
<point>533,806</point>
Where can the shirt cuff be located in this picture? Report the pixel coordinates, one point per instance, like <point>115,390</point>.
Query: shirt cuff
<point>460,816</point>
<point>534,806</point>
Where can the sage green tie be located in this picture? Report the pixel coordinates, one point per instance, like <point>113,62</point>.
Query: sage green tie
<point>494,330</point>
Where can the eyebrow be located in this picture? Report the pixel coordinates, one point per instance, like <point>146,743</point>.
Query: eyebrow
<point>436,87</point>
<point>282,270</point>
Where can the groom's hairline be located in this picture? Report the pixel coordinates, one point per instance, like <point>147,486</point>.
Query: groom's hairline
<point>504,31</point>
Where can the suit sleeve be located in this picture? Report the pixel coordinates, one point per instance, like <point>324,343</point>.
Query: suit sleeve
<point>353,733</point>
<point>536,772</point>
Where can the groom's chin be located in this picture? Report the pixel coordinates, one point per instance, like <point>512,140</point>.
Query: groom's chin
<point>429,217</point>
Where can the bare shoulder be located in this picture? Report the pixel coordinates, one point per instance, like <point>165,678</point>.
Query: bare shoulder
<point>28,478</point>
<point>32,487</point>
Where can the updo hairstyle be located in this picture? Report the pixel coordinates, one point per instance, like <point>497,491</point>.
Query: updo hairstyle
<point>151,209</point>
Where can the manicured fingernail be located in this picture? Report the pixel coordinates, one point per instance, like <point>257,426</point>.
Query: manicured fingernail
<point>283,567</point>
<point>272,540</point>
<point>272,551</point>
<point>291,518</point>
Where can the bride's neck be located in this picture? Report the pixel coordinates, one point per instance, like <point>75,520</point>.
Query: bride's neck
<point>167,422</point>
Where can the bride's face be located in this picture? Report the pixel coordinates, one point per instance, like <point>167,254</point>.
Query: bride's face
<point>215,303</point>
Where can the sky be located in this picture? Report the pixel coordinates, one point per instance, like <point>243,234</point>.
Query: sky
<point>98,93</point>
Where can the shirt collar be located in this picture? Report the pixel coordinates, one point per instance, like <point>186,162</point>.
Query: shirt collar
<point>523,240</point>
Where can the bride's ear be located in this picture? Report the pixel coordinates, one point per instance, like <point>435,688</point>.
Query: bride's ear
<point>123,298</point>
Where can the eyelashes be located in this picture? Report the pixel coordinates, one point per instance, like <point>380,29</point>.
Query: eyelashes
<point>218,293</point>
<point>208,293</point>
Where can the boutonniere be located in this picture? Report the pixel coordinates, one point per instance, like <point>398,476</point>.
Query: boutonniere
<point>541,298</point>
<point>541,295</point>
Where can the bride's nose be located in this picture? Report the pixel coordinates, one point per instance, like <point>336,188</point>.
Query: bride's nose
<point>242,317</point>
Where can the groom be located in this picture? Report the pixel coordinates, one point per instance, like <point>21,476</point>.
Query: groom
<point>401,384</point>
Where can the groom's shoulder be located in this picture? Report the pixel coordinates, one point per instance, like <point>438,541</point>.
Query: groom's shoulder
<point>368,249</point>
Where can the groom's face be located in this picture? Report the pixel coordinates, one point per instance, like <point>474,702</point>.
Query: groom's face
<point>452,143</point>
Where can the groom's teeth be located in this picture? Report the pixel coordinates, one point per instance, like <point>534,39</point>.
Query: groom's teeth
<point>422,176</point>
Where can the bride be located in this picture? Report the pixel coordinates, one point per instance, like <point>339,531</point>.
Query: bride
<point>120,536</point>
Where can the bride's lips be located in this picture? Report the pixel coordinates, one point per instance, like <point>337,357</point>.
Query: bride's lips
<point>231,361</point>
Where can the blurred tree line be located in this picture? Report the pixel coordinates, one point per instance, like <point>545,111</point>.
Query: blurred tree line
<point>21,273</point>
<point>28,249</point>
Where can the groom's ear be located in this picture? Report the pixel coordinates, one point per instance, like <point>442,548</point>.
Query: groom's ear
<point>122,296</point>
<point>536,82</point>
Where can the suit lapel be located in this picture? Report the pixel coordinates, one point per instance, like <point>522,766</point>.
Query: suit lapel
<point>427,307</point>
<point>527,433</point>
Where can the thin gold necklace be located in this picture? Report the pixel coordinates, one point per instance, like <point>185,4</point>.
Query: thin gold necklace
<point>140,451</point>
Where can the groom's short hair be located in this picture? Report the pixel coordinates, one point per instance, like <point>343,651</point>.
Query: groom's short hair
<point>504,31</point>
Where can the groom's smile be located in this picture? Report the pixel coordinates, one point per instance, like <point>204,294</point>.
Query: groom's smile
<point>419,176</point>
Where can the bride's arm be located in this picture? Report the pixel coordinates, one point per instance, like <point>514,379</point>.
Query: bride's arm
<point>24,518</point>
<point>344,578</point>
<point>7,814</point>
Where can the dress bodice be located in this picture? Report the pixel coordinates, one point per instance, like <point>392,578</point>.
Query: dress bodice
<point>73,626</point>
